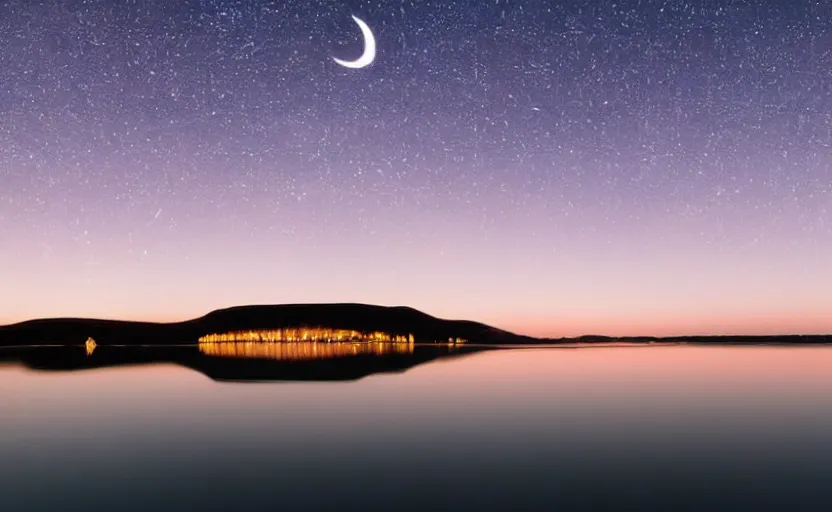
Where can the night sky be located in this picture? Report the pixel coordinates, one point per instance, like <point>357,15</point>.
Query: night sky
<point>550,167</point>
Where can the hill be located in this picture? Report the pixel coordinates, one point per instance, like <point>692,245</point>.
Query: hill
<point>359,317</point>
<point>397,320</point>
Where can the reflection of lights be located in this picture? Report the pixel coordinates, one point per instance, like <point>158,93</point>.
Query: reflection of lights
<point>302,350</point>
<point>90,346</point>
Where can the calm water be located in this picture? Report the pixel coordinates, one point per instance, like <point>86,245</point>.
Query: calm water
<point>668,427</point>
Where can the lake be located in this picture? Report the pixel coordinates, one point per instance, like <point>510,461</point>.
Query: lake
<point>661,427</point>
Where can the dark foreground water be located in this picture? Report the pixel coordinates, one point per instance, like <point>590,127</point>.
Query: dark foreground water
<point>662,428</point>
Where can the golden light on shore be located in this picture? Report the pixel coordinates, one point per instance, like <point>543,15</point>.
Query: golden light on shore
<point>302,350</point>
<point>304,343</point>
<point>308,334</point>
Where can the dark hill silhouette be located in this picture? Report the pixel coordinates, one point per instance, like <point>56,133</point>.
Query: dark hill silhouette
<point>359,317</point>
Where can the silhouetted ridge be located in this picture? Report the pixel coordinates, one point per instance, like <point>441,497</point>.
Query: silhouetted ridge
<point>359,317</point>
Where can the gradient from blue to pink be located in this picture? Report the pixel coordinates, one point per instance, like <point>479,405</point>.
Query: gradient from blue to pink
<point>554,170</point>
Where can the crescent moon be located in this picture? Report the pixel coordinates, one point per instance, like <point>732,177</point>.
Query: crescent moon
<point>369,49</point>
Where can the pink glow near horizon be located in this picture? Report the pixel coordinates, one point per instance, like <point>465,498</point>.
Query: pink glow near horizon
<point>617,291</point>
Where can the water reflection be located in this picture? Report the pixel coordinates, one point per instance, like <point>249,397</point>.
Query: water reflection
<point>303,350</point>
<point>244,361</point>
<point>659,428</point>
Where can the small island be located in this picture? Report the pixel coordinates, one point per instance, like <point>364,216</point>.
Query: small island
<point>270,323</point>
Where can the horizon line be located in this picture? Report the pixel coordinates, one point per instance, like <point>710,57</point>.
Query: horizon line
<point>6,323</point>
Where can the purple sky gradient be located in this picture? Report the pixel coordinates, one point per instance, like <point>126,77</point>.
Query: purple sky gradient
<point>615,168</point>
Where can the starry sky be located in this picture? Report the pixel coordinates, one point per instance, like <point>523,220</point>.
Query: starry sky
<point>554,168</point>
